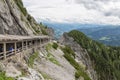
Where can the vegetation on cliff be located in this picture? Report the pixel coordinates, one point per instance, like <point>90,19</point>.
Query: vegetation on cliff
<point>3,76</point>
<point>32,59</point>
<point>55,46</point>
<point>69,55</point>
<point>36,27</point>
<point>106,59</point>
<point>20,5</point>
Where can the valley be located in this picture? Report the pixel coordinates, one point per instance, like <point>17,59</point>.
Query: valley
<point>106,34</point>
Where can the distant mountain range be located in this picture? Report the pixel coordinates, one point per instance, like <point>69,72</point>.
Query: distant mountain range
<point>107,34</point>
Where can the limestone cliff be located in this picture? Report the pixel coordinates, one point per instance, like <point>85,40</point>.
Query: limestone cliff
<point>81,57</point>
<point>15,20</point>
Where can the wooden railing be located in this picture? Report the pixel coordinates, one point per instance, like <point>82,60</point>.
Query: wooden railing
<point>6,54</point>
<point>1,55</point>
<point>10,53</point>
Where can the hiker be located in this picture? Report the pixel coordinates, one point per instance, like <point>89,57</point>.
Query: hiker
<point>11,49</point>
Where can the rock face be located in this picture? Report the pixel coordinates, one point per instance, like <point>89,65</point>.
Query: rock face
<point>81,55</point>
<point>64,71</point>
<point>50,32</point>
<point>15,20</point>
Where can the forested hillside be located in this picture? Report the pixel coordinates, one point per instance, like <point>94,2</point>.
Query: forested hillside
<point>105,59</point>
<point>108,35</point>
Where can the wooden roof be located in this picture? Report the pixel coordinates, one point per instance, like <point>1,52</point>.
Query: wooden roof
<point>19,38</point>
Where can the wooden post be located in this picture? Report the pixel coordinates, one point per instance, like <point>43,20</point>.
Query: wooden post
<point>22,50</point>
<point>26,45</point>
<point>43,41</point>
<point>40,42</point>
<point>15,44</point>
<point>31,45</point>
<point>37,44</point>
<point>22,45</point>
<point>4,47</point>
<point>49,39</point>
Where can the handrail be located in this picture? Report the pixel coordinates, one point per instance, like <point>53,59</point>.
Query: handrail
<point>21,49</point>
<point>9,53</point>
<point>1,57</point>
<point>1,53</point>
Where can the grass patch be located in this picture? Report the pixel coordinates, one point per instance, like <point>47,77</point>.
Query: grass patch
<point>3,76</point>
<point>46,77</point>
<point>32,58</point>
<point>55,45</point>
<point>52,59</point>
<point>44,31</point>
<point>68,50</point>
<point>23,73</point>
<point>48,47</point>
<point>79,70</point>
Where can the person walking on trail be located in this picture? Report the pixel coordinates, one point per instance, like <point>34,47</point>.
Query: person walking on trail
<point>11,49</point>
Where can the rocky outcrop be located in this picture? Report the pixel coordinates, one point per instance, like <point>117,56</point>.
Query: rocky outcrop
<point>50,32</point>
<point>81,55</point>
<point>15,20</point>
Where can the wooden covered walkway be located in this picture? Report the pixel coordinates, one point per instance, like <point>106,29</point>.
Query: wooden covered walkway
<point>11,44</point>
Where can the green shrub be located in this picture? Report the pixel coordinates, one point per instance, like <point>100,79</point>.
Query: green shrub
<point>44,31</point>
<point>55,45</point>
<point>77,74</point>
<point>48,47</point>
<point>32,58</point>
<point>52,59</point>
<point>3,76</point>
<point>46,76</point>
<point>21,7</point>
<point>79,71</point>
<point>68,50</point>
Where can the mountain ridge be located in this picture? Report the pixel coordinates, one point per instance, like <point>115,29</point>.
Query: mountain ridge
<point>104,58</point>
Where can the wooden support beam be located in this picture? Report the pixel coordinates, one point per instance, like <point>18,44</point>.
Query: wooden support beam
<point>40,42</point>
<point>22,51</point>
<point>26,45</point>
<point>22,45</point>
<point>31,43</point>
<point>15,45</point>
<point>4,49</point>
<point>35,45</point>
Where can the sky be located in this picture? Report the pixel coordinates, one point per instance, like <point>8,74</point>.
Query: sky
<point>75,11</point>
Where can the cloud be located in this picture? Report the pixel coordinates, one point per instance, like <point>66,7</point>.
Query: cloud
<point>80,11</point>
<point>113,12</point>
